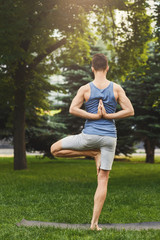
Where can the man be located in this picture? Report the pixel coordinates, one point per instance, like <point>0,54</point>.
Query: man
<point>98,138</point>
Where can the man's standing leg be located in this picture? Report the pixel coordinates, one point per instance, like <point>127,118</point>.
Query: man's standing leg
<point>99,198</point>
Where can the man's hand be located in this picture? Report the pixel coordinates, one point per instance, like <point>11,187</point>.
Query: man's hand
<point>99,113</point>
<point>103,110</point>
<point>76,104</point>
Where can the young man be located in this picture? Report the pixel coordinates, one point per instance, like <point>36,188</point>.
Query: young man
<point>98,138</point>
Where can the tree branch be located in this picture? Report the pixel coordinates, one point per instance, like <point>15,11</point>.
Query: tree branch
<point>113,25</point>
<point>48,50</point>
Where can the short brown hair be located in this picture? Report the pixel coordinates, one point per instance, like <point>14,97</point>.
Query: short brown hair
<point>99,62</point>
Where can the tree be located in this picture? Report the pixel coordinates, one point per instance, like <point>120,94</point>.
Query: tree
<point>125,134</point>
<point>126,39</point>
<point>143,86</point>
<point>154,60</point>
<point>42,136</point>
<point>30,32</point>
<point>140,88</point>
<point>74,77</point>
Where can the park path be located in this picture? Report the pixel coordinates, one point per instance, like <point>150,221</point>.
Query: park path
<point>118,226</point>
<point>8,152</point>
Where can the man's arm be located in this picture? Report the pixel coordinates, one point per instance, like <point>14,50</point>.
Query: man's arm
<point>76,104</point>
<point>127,108</point>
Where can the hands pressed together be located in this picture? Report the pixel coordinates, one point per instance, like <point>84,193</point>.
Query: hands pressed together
<point>102,111</point>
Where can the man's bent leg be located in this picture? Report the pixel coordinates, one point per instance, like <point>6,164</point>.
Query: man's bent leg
<point>99,198</point>
<point>56,150</point>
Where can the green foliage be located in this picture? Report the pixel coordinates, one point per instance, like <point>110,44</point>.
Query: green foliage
<point>146,118</point>
<point>142,87</point>
<point>126,37</point>
<point>132,53</point>
<point>75,77</point>
<point>29,32</point>
<point>47,131</point>
<point>125,136</point>
<point>32,34</point>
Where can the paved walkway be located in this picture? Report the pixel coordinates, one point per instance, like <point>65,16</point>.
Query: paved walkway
<point>8,152</point>
<point>127,226</point>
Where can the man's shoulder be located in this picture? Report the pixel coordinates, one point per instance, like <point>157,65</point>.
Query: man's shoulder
<point>117,87</point>
<point>84,87</point>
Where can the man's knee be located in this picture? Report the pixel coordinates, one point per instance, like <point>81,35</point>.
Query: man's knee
<point>103,175</point>
<point>52,149</point>
<point>55,148</point>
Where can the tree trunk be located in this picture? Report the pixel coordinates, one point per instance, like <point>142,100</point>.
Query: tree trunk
<point>149,146</point>
<point>19,123</point>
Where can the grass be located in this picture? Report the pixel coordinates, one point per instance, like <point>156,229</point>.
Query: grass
<point>62,191</point>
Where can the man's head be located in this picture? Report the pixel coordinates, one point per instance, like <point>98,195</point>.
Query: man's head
<point>99,62</point>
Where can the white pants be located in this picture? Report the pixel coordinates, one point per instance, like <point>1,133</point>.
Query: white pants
<point>82,142</point>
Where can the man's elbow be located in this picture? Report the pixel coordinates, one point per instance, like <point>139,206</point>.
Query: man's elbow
<point>132,112</point>
<point>71,110</point>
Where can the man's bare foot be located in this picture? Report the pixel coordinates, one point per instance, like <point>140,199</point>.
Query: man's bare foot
<point>98,162</point>
<point>95,227</point>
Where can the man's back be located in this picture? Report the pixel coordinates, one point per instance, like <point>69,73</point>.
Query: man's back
<point>103,127</point>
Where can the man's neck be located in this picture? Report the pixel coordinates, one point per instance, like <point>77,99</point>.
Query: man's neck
<point>100,79</point>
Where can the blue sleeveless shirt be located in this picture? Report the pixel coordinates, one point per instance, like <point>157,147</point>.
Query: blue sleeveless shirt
<point>103,127</point>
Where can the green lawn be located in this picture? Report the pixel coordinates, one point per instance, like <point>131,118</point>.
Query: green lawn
<point>62,190</point>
